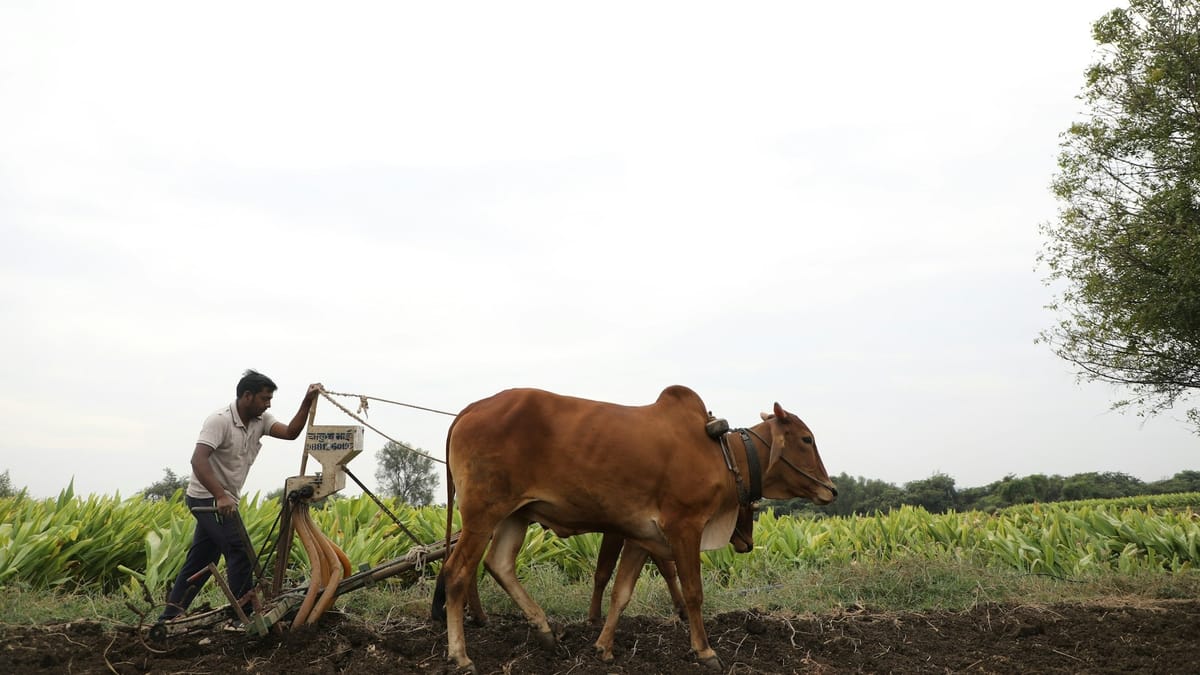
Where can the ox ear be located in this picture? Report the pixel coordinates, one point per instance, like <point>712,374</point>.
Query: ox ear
<point>780,412</point>
<point>777,440</point>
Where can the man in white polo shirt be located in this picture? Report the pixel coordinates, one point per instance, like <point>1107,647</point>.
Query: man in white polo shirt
<point>228,444</point>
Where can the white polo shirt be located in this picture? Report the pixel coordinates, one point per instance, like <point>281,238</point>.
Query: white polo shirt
<point>235,446</point>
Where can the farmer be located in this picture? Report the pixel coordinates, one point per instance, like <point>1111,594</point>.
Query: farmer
<point>228,444</point>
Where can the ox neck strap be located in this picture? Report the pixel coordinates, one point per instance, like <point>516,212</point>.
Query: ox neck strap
<point>753,464</point>
<point>746,497</point>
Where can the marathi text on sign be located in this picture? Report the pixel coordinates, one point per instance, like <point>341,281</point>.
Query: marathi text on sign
<point>334,439</point>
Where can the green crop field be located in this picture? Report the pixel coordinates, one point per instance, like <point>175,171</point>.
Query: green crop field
<point>118,549</point>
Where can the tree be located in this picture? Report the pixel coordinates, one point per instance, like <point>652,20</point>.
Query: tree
<point>1106,485</point>
<point>984,498</point>
<point>850,495</point>
<point>1184,481</point>
<point>6,486</point>
<point>1033,488</point>
<point>1125,248</point>
<point>935,494</point>
<point>166,487</point>
<point>406,473</point>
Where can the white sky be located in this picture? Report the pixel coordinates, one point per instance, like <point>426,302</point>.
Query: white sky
<point>835,206</point>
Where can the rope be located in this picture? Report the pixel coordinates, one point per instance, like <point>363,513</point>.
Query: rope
<point>383,506</point>
<point>420,556</point>
<point>364,423</point>
<point>362,403</point>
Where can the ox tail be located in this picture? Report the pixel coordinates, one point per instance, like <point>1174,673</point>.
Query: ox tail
<point>438,610</point>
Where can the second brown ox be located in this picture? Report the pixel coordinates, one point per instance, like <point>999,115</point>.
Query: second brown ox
<point>647,473</point>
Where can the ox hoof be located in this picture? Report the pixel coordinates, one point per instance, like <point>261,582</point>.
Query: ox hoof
<point>546,640</point>
<point>604,654</point>
<point>481,620</point>
<point>712,663</point>
<point>469,667</point>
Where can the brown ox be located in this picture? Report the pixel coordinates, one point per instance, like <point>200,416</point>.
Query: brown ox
<point>611,545</point>
<point>647,473</point>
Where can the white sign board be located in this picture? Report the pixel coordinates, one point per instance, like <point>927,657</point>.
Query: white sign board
<point>334,438</point>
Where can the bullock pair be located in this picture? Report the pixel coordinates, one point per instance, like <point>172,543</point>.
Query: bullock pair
<point>648,474</point>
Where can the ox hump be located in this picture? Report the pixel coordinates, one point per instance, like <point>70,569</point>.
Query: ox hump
<point>681,395</point>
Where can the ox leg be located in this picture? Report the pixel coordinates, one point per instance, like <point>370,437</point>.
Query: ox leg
<point>501,563</point>
<point>606,562</point>
<point>459,574</point>
<point>478,616</point>
<point>633,558</point>
<point>667,569</point>
<point>686,545</point>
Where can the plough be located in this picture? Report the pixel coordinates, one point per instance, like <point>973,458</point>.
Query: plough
<point>331,571</point>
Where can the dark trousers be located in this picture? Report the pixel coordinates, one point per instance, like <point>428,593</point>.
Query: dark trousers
<point>215,536</point>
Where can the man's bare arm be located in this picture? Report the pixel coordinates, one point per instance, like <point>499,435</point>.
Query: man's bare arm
<point>291,431</point>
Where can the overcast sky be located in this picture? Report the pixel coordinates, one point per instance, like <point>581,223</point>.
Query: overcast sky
<point>830,205</point>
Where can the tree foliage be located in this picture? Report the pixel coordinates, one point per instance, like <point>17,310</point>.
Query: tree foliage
<point>938,494</point>
<point>166,487</point>
<point>1126,243</point>
<point>6,486</point>
<point>1106,485</point>
<point>1184,481</point>
<point>935,494</point>
<point>1033,488</point>
<point>405,474</point>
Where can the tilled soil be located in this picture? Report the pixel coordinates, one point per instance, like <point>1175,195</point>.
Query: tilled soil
<point>1109,637</point>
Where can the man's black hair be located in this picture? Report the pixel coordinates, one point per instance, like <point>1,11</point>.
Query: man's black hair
<point>253,382</point>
